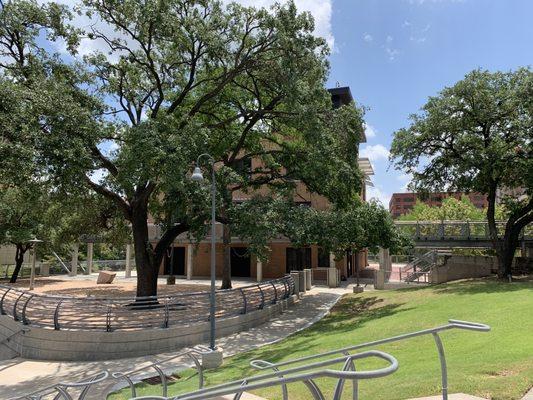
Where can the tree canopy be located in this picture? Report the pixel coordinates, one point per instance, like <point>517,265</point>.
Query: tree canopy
<point>452,209</point>
<point>477,136</point>
<point>175,79</point>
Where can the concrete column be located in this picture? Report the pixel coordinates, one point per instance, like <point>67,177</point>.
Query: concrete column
<point>74,262</point>
<point>259,268</point>
<point>90,253</point>
<point>189,261</point>
<point>385,263</point>
<point>331,260</point>
<point>332,277</point>
<point>296,278</point>
<point>128,261</point>
<point>301,284</point>
<point>308,279</point>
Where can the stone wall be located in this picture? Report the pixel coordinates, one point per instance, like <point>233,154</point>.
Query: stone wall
<point>462,267</point>
<point>522,265</point>
<point>64,345</point>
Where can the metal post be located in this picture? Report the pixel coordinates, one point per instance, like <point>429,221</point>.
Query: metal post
<point>128,261</point>
<point>74,261</point>
<point>33,260</point>
<point>444,371</point>
<point>32,273</point>
<point>213,249</point>
<point>189,261</point>
<point>90,255</point>
<point>259,270</point>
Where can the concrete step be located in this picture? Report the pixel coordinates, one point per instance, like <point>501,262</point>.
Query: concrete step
<point>455,396</point>
<point>245,396</point>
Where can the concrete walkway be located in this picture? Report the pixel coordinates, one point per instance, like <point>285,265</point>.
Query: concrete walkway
<point>20,376</point>
<point>529,395</point>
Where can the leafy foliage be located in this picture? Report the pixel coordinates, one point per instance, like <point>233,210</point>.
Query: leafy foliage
<point>477,136</point>
<point>451,209</point>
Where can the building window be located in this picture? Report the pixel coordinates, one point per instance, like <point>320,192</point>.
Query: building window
<point>323,258</point>
<point>297,259</point>
<point>243,166</point>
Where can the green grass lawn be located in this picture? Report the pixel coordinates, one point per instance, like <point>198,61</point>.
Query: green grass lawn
<point>494,365</point>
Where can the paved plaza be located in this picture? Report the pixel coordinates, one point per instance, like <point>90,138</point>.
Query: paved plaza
<point>19,376</point>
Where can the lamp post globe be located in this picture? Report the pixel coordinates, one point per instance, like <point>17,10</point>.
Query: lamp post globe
<point>197,175</point>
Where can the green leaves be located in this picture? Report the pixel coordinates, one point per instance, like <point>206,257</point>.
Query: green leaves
<point>473,134</point>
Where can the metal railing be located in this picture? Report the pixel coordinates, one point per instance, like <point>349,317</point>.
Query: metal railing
<point>130,377</point>
<point>419,267</point>
<point>279,377</point>
<point>130,313</point>
<point>452,324</point>
<point>66,390</point>
<point>79,390</point>
<point>306,374</point>
<point>456,230</point>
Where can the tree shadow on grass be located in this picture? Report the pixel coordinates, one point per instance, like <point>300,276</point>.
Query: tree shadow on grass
<point>348,315</point>
<point>483,285</point>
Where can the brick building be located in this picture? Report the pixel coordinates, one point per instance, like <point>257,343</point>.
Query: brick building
<point>187,259</point>
<point>403,203</point>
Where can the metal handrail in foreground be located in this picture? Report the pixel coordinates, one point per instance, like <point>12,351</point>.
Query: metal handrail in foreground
<point>131,313</point>
<point>61,390</point>
<point>306,374</point>
<point>193,354</point>
<point>452,324</point>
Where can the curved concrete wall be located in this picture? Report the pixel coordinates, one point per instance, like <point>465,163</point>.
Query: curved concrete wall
<point>48,344</point>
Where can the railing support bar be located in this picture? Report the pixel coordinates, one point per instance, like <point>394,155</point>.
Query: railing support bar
<point>443,368</point>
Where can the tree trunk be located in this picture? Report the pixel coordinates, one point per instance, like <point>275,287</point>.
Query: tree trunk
<point>19,259</point>
<point>147,270</point>
<point>226,269</point>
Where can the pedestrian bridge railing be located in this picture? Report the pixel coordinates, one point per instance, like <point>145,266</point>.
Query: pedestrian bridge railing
<point>455,230</point>
<point>130,313</point>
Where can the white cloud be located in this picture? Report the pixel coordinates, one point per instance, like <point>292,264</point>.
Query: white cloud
<point>406,24</point>
<point>375,152</point>
<point>367,37</point>
<point>378,194</point>
<point>389,39</point>
<point>370,131</point>
<point>420,2</point>
<point>392,53</point>
<point>417,39</point>
<point>405,179</point>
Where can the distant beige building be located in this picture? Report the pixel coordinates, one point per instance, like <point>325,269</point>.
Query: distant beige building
<point>182,259</point>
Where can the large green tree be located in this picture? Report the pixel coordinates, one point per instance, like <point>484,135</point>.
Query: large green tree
<point>177,78</point>
<point>477,136</point>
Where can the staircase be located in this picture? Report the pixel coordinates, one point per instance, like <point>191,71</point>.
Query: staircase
<point>418,270</point>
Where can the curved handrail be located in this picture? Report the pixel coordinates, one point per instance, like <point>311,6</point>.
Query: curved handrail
<point>61,388</point>
<point>305,373</point>
<point>130,313</point>
<point>452,323</point>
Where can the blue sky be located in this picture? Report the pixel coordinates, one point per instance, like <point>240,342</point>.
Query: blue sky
<point>395,53</point>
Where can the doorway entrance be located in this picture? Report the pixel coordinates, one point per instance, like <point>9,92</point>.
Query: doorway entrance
<point>297,259</point>
<point>240,262</point>
<point>175,261</point>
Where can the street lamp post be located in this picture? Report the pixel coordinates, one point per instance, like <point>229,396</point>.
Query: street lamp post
<point>197,176</point>
<point>33,260</point>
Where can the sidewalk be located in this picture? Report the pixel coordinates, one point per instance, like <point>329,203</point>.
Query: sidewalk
<point>19,376</point>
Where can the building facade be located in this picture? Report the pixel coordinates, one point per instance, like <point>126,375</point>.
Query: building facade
<point>187,259</point>
<point>403,203</point>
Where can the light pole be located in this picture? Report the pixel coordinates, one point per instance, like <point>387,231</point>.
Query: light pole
<point>197,176</point>
<point>33,258</point>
